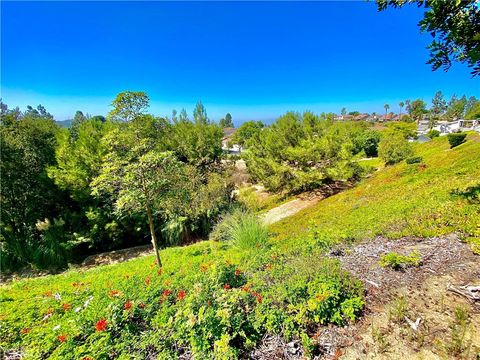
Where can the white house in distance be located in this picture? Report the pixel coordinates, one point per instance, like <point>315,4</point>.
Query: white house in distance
<point>448,127</point>
<point>227,146</point>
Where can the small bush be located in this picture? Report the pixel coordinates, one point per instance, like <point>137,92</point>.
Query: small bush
<point>456,139</point>
<point>414,160</point>
<point>433,134</point>
<point>394,148</point>
<point>398,261</point>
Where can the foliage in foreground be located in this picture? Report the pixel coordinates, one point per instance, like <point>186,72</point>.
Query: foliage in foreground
<point>210,299</point>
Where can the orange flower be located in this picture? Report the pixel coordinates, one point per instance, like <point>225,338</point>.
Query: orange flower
<point>65,307</point>
<point>257,296</point>
<point>62,337</point>
<point>238,272</point>
<point>246,288</point>
<point>50,311</point>
<point>167,282</point>
<point>203,267</point>
<point>141,306</point>
<point>75,284</point>
<point>25,330</point>
<point>114,293</point>
<point>147,281</point>
<point>181,295</point>
<point>226,286</point>
<point>159,272</point>
<point>48,293</point>
<point>101,325</point>
<point>127,305</point>
<point>87,358</point>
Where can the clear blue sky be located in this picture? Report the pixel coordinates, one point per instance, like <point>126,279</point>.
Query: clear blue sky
<point>253,59</point>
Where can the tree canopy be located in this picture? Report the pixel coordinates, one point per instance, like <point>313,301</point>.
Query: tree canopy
<point>454,26</point>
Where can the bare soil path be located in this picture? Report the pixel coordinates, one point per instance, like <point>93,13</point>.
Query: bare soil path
<point>285,210</point>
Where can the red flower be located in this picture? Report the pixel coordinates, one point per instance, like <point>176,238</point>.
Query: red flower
<point>141,306</point>
<point>166,293</point>
<point>62,338</point>
<point>147,281</point>
<point>257,295</point>
<point>25,331</point>
<point>65,306</point>
<point>127,305</point>
<point>101,325</point>
<point>86,358</point>
<point>226,286</point>
<point>181,295</point>
<point>238,272</point>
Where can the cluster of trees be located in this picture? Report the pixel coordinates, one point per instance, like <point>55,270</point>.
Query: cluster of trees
<point>441,109</point>
<point>106,183</point>
<point>300,152</point>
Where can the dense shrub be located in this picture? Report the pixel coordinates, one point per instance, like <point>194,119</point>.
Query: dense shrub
<point>370,141</point>
<point>414,160</point>
<point>433,133</point>
<point>456,139</point>
<point>301,152</point>
<point>394,148</point>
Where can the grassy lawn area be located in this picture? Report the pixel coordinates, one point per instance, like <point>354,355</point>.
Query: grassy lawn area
<point>216,300</point>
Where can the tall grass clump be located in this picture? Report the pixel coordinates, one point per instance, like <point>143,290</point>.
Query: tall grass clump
<point>241,228</point>
<point>249,232</point>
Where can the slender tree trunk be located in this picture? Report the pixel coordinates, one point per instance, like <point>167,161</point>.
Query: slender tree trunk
<point>154,237</point>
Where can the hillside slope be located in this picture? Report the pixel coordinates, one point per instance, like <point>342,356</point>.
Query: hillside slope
<point>426,199</point>
<point>217,300</point>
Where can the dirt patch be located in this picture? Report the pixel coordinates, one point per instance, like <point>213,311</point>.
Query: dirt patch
<point>409,314</point>
<point>288,209</point>
<point>116,256</point>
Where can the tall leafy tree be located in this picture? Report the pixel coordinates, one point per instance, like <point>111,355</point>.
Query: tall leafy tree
<point>27,194</point>
<point>200,114</point>
<point>226,121</point>
<point>78,118</point>
<point>454,26</point>
<point>142,183</point>
<point>418,108</point>
<point>401,104</point>
<point>128,105</point>
<point>439,105</point>
<point>456,108</point>
<point>386,106</point>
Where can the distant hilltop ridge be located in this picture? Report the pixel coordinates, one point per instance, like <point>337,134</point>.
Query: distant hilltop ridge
<point>64,123</point>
